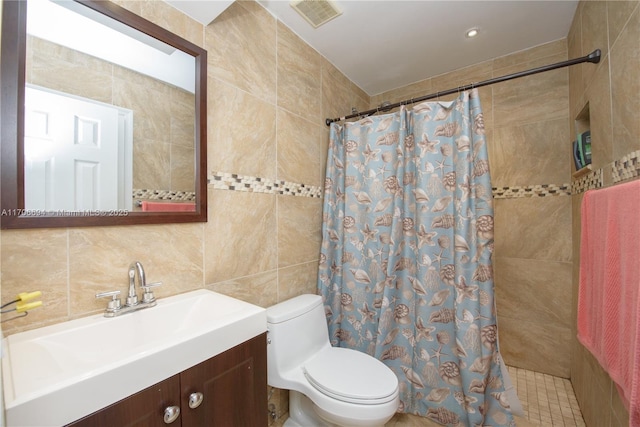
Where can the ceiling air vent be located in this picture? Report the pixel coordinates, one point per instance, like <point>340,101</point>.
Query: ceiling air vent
<point>316,12</point>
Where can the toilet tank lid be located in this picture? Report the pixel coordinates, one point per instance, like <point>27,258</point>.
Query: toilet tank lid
<point>293,307</point>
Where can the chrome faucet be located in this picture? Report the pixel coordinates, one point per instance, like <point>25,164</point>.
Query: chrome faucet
<point>132,298</point>
<point>115,308</point>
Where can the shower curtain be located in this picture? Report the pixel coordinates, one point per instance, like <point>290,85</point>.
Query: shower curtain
<point>405,267</point>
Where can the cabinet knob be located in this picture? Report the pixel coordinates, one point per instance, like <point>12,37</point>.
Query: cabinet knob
<point>171,413</point>
<point>195,399</point>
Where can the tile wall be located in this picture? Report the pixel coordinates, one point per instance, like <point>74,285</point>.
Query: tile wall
<point>610,90</point>
<point>528,127</point>
<point>268,96</point>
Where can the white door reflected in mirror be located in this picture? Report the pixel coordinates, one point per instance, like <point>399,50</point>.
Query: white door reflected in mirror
<point>78,153</point>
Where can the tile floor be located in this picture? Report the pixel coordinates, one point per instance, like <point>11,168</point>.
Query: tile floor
<point>547,401</point>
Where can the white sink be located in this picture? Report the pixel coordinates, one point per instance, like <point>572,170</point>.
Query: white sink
<point>60,373</point>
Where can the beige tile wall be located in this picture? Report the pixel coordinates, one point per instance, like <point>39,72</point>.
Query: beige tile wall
<point>268,96</point>
<point>263,248</point>
<point>527,122</point>
<point>610,89</point>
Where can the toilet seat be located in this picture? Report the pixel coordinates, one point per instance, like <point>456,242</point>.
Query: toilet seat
<point>351,376</point>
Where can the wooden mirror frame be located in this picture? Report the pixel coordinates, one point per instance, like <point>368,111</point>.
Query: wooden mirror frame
<point>12,112</point>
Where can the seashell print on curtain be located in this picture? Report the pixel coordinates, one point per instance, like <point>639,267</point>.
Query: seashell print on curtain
<point>405,267</point>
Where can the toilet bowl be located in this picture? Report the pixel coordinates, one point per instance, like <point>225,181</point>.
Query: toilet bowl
<point>327,385</point>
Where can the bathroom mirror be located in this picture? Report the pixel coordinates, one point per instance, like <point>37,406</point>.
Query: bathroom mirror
<point>103,123</point>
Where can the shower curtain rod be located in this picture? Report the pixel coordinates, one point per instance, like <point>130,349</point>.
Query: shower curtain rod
<point>593,57</point>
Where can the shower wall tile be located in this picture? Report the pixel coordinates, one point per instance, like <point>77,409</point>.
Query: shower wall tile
<point>239,236</point>
<point>543,293</point>
<point>241,45</point>
<point>537,346</point>
<point>297,280</point>
<point>519,59</point>
<point>339,94</point>
<point>598,95</point>
<point>335,91</point>
<point>535,98</point>
<point>533,228</point>
<point>618,14</point>
<point>524,154</point>
<point>299,82</point>
<point>241,132</point>
<point>625,86</point>
<point>576,203</point>
<point>299,144</point>
<point>576,87</point>
<point>414,90</point>
<point>359,97</point>
<point>594,17</point>
<point>464,76</point>
<point>35,260</point>
<point>608,88</point>
<point>260,289</point>
<point>299,230</point>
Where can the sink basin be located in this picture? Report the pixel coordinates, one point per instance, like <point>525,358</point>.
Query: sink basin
<point>60,373</point>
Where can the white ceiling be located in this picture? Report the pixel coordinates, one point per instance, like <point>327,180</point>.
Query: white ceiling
<point>383,45</point>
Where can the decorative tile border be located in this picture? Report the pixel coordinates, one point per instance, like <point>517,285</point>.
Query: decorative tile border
<point>626,168</point>
<point>540,190</point>
<point>182,196</point>
<point>593,179</point>
<point>235,182</point>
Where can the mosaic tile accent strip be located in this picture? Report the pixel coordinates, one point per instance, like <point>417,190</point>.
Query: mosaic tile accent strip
<point>627,167</point>
<point>176,196</point>
<point>541,190</point>
<point>235,182</point>
<point>586,182</point>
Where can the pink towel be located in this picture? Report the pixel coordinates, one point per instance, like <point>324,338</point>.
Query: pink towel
<point>168,207</point>
<point>609,292</point>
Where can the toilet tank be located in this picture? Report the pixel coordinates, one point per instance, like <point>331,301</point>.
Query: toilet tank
<point>297,329</point>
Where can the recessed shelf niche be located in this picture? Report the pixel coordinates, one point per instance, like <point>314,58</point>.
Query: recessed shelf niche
<point>582,124</point>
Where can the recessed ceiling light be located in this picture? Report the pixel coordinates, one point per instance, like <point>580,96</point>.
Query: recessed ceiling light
<point>472,33</point>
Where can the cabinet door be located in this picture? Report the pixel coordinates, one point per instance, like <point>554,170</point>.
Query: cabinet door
<point>233,385</point>
<point>143,409</point>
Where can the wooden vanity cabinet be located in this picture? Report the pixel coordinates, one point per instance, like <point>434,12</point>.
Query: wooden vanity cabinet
<point>233,385</point>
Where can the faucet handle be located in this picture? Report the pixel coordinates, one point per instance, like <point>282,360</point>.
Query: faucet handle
<point>114,304</point>
<point>147,296</point>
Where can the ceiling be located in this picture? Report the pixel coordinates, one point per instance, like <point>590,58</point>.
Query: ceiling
<point>383,45</point>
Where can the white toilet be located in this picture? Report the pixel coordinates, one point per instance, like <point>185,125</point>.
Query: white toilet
<point>327,385</point>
